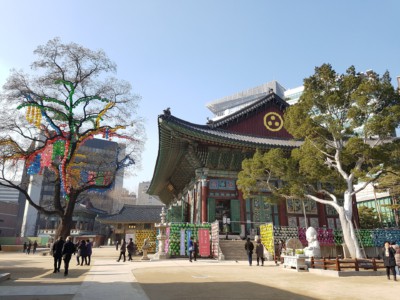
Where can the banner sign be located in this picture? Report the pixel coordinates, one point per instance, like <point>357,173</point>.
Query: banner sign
<point>182,244</point>
<point>204,242</point>
<point>166,243</point>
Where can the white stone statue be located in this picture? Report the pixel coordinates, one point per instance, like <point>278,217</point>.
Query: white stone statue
<point>313,248</point>
<point>145,247</point>
<point>146,244</point>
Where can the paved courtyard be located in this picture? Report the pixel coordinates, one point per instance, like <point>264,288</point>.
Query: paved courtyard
<point>32,278</point>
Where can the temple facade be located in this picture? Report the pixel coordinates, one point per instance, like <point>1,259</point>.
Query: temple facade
<point>197,167</point>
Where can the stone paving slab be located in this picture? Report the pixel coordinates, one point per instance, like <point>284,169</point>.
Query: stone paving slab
<point>32,279</point>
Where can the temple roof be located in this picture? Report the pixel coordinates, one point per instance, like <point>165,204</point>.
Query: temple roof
<point>185,147</point>
<point>134,214</point>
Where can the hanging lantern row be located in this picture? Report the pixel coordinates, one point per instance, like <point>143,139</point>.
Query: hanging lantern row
<point>326,237</point>
<point>34,115</point>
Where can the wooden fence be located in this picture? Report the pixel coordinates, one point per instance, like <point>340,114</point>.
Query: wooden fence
<point>343,264</point>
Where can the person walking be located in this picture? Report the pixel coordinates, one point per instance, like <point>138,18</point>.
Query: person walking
<point>249,247</point>
<point>35,244</point>
<point>195,249</point>
<point>56,249</point>
<point>88,251</point>
<point>82,252</point>
<point>67,251</point>
<point>260,252</point>
<point>191,248</point>
<point>397,259</point>
<point>77,253</point>
<point>122,250</point>
<point>130,248</point>
<point>116,245</point>
<point>389,260</point>
<point>25,246</point>
<point>28,249</point>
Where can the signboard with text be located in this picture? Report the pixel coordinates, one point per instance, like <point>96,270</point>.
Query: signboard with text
<point>204,242</point>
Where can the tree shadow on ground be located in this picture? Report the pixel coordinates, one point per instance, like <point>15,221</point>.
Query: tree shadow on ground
<point>217,290</point>
<point>23,276</point>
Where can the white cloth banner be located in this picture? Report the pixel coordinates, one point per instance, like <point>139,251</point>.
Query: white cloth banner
<point>183,245</point>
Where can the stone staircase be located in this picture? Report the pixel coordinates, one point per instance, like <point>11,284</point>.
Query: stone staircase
<point>233,249</point>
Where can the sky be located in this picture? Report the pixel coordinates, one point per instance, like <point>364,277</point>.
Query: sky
<point>184,54</point>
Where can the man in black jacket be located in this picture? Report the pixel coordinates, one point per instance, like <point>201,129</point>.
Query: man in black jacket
<point>249,247</point>
<point>67,251</point>
<point>57,253</point>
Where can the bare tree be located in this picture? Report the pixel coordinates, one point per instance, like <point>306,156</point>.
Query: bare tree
<point>67,101</point>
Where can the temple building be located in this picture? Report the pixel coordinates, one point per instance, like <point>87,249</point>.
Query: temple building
<point>197,165</point>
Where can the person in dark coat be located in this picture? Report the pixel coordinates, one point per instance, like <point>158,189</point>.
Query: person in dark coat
<point>195,249</point>
<point>122,251</point>
<point>56,249</point>
<point>249,247</point>
<point>67,251</point>
<point>389,260</point>
<point>191,248</point>
<point>82,252</point>
<point>260,253</point>
<point>28,249</point>
<point>35,244</point>
<point>88,251</point>
<point>25,247</point>
<point>131,249</point>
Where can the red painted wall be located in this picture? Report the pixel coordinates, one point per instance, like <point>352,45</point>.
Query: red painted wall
<point>264,123</point>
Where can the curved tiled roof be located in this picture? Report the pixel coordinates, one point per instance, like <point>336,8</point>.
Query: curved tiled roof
<point>229,137</point>
<point>135,214</point>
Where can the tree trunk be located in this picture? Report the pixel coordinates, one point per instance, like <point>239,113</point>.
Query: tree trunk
<point>349,233</point>
<point>345,213</point>
<point>349,236</point>
<point>64,229</point>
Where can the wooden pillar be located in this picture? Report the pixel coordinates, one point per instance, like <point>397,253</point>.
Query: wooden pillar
<point>322,220</point>
<point>283,219</point>
<point>204,196</point>
<point>242,208</point>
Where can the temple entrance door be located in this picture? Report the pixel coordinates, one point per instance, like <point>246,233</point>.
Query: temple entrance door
<point>222,209</point>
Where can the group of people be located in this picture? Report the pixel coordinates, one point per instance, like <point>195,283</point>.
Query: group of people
<point>390,254</point>
<point>249,247</point>
<point>64,249</point>
<point>28,246</point>
<point>131,247</point>
<point>83,252</point>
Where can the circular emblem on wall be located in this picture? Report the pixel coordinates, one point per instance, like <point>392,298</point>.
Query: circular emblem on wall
<point>273,121</point>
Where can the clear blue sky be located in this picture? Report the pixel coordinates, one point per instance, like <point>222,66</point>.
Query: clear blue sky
<point>184,54</point>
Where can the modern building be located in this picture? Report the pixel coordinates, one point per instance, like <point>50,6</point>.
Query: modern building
<point>8,218</point>
<point>380,202</point>
<point>12,199</point>
<point>197,165</point>
<point>144,198</point>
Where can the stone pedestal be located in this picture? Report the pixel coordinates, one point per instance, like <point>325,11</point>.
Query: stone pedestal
<point>145,257</point>
<point>161,237</point>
